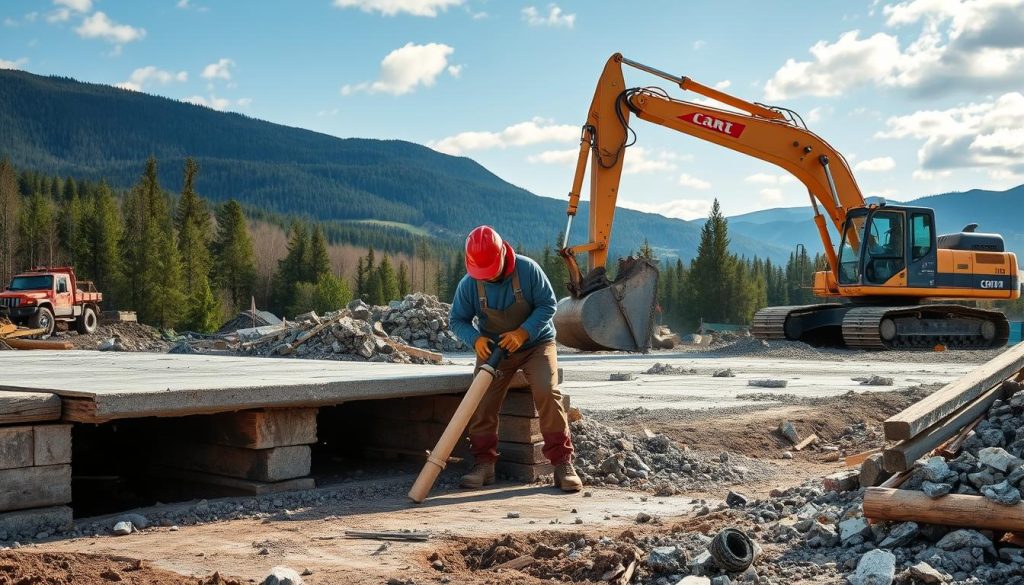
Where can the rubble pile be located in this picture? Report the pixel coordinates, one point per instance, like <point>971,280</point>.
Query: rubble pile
<point>422,321</point>
<point>121,336</point>
<point>661,369</point>
<point>609,457</point>
<point>336,335</point>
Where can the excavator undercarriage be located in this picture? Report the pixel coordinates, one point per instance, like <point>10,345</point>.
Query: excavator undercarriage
<point>884,327</point>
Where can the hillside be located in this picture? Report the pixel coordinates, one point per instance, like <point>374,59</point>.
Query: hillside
<point>993,211</point>
<point>59,125</point>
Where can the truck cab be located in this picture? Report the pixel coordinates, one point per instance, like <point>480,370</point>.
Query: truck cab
<point>42,297</point>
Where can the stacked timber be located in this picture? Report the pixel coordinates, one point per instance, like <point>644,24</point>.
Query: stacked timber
<point>956,456</point>
<point>35,465</point>
<point>249,452</point>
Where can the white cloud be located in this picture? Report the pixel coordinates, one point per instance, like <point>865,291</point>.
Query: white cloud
<point>428,8</point>
<point>983,134</point>
<point>872,165</point>
<point>536,131</point>
<point>217,103</point>
<point>16,64</point>
<point>150,74</point>
<point>455,70</point>
<point>769,179</point>
<point>723,85</point>
<point>8,21</point>
<point>678,208</point>
<point>59,15</point>
<point>479,15</point>
<point>816,114</point>
<point>693,182</point>
<point>76,5</point>
<point>325,113</point>
<point>99,26</point>
<point>973,45</point>
<point>31,16</point>
<point>219,70</point>
<point>183,4</point>
<point>555,157</point>
<point>554,17</point>
<point>639,160</point>
<point>405,69</point>
<point>771,196</point>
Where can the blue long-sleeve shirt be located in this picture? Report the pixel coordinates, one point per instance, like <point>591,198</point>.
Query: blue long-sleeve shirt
<point>537,291</point>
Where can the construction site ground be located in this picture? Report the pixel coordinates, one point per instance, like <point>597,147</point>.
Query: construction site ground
<point>699,410</point>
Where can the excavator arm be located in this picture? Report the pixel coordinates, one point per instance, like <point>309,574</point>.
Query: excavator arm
<point>773,135</point>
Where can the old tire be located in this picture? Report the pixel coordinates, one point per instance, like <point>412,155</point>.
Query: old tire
<point>88,322</point>
<point>43,319</point>
<point>732,550</point>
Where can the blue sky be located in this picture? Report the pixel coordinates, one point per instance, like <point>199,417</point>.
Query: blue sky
<point>922,96</point>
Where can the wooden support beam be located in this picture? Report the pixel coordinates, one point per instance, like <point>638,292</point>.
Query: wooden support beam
<point>20,407</point>
<point>948,399</point>
<point>212,484</point>
<point>858,458</point>
<point>975,512</point>
<point>255,429</point>
<point>268,465</point>
<point>35,487</point>
<point>37,344</point>
<point>902,456</point>
<point>811,439</point>
<point>872,471</point>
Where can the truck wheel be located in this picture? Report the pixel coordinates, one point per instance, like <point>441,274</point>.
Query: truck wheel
<point>87,323</point>
<point>43,319</point>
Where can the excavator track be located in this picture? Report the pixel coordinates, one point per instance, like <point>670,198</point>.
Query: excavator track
<point>924,327</point>
<point>817,324</point>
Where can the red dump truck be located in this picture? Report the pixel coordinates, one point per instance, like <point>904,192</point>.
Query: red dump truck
<point>41,297</point>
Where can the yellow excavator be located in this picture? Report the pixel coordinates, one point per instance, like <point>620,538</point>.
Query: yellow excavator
<point>889,267</point>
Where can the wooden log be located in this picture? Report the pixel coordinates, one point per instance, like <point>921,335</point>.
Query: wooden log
<point>975,512</point>
<point>268,465</point>
<point>430,356</point>
<point>858,458</point>
<point>952,447</point>
<point>20,407</point>
<point>948,399</point>
<point>35,487</point>
<point>523,471</point>
<point>902,456</point>
<point>390,535</point>
<point>211,484</point>
<point>872,471</point>
<point>257,429</point>
<point>37,344</point>
<point>520,562</point>
<point>519,429</point>
<point>528,453</point>
<point>896,480</point>
<point>808,441</point>
<point>52,444</point>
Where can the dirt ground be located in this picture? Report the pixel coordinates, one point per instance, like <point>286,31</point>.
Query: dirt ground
<point>29,568</point>
<point>463,522</point>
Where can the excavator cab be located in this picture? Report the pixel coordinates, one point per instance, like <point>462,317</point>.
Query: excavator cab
<point>888,246</point>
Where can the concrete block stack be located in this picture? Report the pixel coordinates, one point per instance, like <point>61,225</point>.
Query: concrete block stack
<point>35,466</point>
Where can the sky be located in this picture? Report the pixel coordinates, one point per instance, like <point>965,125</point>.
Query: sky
<point>921,96</point>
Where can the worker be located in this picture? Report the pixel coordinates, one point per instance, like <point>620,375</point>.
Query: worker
<point>513,303</point>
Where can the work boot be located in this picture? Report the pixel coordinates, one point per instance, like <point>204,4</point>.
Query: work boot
<point>566,478</point>
<point>482,474</point>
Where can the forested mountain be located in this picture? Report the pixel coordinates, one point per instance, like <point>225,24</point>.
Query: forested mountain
<point>993,211</point>
<point>62,126</point>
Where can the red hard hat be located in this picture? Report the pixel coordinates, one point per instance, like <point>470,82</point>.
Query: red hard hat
<point>484,250</point>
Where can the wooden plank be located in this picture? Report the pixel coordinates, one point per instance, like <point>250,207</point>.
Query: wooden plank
<point>269,465</point>
<point>16,447</point>
<point>80,410</point>
<point>258,429</point>
<point>872,471</point>
<point>519,429</point>
<point>975,512</point>
<point>902,456</point>
<point>517,563</point>
<point>52,444</point>
<point>430,356</point>
<point>222,485</point>
<point>841,481</point>
<point>19,407</point>
<point>35,487</point>
<point>951,448</point>
<point>522,471</point>
<point>948,399</point>
<point>803,444</point>
<point>522,452</point>
<point>858,458</point>
<point>37,344</point>
<point>301,339</point>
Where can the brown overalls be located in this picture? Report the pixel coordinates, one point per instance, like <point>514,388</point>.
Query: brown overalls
<point>540,366</point>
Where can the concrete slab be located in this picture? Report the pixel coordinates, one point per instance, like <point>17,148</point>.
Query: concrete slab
<point>98,387</point>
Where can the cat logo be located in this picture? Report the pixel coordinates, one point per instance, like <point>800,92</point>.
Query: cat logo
<point>992,284</point>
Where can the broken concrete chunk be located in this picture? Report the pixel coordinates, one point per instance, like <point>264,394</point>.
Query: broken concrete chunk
<point>876,567</point>
<point>935,469</point>
<point>935,490</point>
<point>282,576</point>
<point>767,383</point>
<point>726,373</point>
<point>996,458</point>
<point>123,528</point>
<point>901,535</point>
<point>789,431</point>
<point>621,377</point>
<point>924,573</point>
<point>853,527</point>
<point>1002,493</point>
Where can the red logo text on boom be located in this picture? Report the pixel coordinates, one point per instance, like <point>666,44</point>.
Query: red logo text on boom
<point>733,129</point>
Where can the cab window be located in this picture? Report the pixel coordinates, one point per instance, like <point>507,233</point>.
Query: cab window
<point>921,230</point>
<point>884,254</point>
<point>62,285</point>
<point>849,250</point>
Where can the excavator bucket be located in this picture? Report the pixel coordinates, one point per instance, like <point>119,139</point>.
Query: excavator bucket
<point>616,316</point>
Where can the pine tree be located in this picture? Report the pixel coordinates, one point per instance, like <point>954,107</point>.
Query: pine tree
<point>10,200</point>
<point>101,233</point>
<point>168,297</point>
<point>318,261</point>
<point>194,235</point>
<point>647,252</point>
<point>710,271</point>
<point>388,281</point>
<point>403,280</point>
<point>203,313</point>
<point>69,224</point>
<point>235,265</point>
<point>361,280</point>
<point>292,268</point>
<point>37,231</point>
